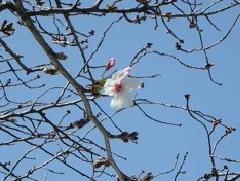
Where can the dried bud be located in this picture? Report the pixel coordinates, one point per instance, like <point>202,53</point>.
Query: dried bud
<point>192,24</point>
<point>168,15</point>
<point>68,111</point>
<point>178,46</point>
<point>181,41</point>
<point>7,28</point>
<point>111,7</point>
<point>148,177</point>
<point>50,70</point>
<point>149,45</point>
<point>230,130</point>
<point>187,96</point>
<point>61,56</point>
<point>125,137</point>
<point>19,106</point>
<point>133,136</point>
<point>208,66</point>
<point>216,121</point>
<point>78,124</point>
<point>225,167</point>
<point>98,114</point>
<point>110,64</point>
<point>101,161</point>
<point>214,172</point>
<point>96,164</point>
<point>91,32</point>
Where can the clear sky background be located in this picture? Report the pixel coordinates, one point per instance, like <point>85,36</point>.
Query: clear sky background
<point>158,144</point>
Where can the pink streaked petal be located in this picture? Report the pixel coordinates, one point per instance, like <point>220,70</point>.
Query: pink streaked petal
<point>127,69</point>
<point>118,88</point>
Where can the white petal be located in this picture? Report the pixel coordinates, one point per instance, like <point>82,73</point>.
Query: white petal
<point>109,91</point>
<point>109,82</point>
<point>109,87</point>
<point>119,75</point>
<point>131,83</point>
<point>121,100</point>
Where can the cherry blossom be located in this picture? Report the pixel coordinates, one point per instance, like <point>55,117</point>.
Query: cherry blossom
<point>110,64</point>
<point>119,86</point>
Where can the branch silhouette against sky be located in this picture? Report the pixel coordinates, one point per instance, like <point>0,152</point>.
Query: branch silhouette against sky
<point>119,90</point>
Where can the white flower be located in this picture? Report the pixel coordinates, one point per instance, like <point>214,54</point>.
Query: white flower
<point>119,87</point>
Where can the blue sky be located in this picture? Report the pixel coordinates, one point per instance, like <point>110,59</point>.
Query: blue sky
<point>158,144</point>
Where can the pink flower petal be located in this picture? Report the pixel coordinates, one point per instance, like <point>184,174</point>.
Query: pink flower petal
<point>127,69</point>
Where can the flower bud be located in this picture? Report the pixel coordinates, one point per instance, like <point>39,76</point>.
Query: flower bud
<point>61,56</point>
<point>110,64</point>
<point>49,70</point>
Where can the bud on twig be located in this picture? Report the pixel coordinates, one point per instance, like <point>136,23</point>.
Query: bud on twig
<point>110,64</point>
<point>148,177</point>
<point>216,121</point>
<point>7,28</point>
<point>101,161</point>
<point>187,96</point>
<point>129,136</point>
<point>229,130</point>
<point>50,70</point>
<point>61,56</point>
<point>78,124</point>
